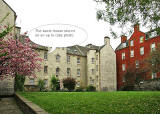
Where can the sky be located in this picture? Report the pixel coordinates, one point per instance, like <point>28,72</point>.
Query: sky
<point>81,13</point>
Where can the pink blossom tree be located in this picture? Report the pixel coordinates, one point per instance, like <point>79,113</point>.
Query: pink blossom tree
<point>18,58</point>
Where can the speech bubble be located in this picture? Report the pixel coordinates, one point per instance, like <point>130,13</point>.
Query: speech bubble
<point>58,35</point>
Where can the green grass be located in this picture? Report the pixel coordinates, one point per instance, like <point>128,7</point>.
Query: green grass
<point>96,102</point>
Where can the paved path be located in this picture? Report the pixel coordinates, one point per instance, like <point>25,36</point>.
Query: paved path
<point>9,106</point>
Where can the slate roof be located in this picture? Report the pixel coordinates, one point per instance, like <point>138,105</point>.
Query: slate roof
<point>82,51</point>
<point>148,36</point>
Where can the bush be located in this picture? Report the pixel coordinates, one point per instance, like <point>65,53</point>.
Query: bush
<point>90,88</point>
<point>55,85</point>
<point>69,83</point>
<point>127,88</point>
<point>79,89</point>
<point>41,85</point>
<point>19,83</point>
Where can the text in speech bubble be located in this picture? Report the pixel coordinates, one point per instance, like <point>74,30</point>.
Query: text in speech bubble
<point>58,35</point>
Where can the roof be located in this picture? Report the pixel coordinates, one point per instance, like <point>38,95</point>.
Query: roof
<point>9,6</point>
<point>82,51</point>
<point>149,35</point>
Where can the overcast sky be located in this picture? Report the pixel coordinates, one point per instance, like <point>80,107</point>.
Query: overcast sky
<point>82,13</point>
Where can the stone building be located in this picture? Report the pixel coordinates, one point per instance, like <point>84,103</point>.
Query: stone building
<point>89,65</point>
<point>7,85</point>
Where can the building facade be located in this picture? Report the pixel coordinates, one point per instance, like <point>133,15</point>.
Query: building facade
<point>89,65</point>
<point>7,85</point>
<point>134,50</point>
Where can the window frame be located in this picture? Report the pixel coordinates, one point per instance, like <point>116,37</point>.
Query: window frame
<point>132,54</point>
<point>141,51</point>
<point>123,67</point>
<point>45,69</point>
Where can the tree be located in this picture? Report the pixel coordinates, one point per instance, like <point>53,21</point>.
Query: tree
<point>124,12</point>
<point>69,83</point>
<point>41,84</point>
<point>134,76</point>
<point>154,60</point>
<point>18,58</point>
<point>19,83</point>
<point>55,83</point>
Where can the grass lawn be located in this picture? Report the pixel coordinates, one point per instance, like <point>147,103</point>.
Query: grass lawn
<point>96,102</point>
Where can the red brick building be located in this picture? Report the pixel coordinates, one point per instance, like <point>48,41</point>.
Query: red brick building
<point>134,50</point>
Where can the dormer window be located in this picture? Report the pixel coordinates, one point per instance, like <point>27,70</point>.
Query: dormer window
<point>153,34</point>
<point>124,44</point>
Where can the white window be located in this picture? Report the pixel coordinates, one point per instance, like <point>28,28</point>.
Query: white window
<point>123,56</point>
<point>45,55</point>
<point>131,43</point>
<point>93,60</point>
<point>57,58</point>
<point>31,81</point>
<point>93,71</point>
<point>68,58</point>
<point>132,53</point>
<point>123,67</point>
<point>68,71</point>
<point>78,72</point>
<point>141,39</point>
<point>153,47</point>
<point>78,60</point>
<point>154,75</point>
<point>137,63</point>
<point>45,69</point>
<point>142,51</point>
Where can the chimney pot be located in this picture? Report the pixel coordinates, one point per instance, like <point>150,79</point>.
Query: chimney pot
<point>123,39</point>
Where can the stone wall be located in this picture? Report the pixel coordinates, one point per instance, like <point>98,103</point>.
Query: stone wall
<point>108,80</point>
<point>7,86</point>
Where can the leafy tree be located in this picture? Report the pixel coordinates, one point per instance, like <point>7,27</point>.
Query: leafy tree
<point>69,83</point>
<point>124,12</point>
<point>91,88</point>
<point>41,84</point>
<point>18,58</point>
<point>134,76</point>
<point>55,83</point>
<point>19,83</point>
<point>154,60</point>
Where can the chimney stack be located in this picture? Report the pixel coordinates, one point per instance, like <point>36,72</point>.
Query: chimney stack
<point>123,39</point>
<point>136,27</point>
<point>106,40</point>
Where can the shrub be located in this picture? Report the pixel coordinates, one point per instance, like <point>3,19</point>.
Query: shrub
<point>127,88</point>
<point>69,83</point>
<point>79,89</point>
<point>90,88</point>
<point>19,83</point>
<point>41,85</point>
<point>55,85</point>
